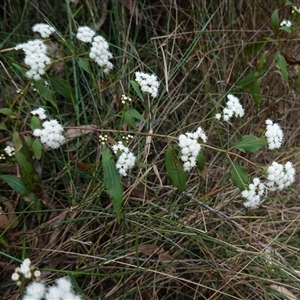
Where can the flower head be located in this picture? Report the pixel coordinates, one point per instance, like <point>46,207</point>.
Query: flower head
<point>35,57</point>
<point>35,291</point>
<point>43,29</point>
<point>190,147</point>
<point>126,159</point>
<point>254,193</point>
<point>148,83</point>
<point>40,112</point>
<point>9,150</point>
<point>286,23</point>
<point>274,135</point>
<point>280,176</point>
<point>51,134</point>
<point>85,34</point>
<point>101,54</point>
<point>233,108</point>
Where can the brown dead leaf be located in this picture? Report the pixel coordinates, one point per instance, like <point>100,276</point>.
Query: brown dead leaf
<point>165,257</point>
<point>7,218</point>
<point>73,133</point>
<point>284,291</point>
<point>148,249</point>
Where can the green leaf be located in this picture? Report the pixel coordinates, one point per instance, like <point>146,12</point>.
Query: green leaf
<point>129,119</point>
<point>136,88</point>
<point>131,114</point>
<point>175,169</point>
<point>112,181</point>
<point>286,29</point>
<point>275,20</point>
<point>62,87</point>
<point>35,122</point>
<point>200,161</point>
<point>254,89</point>
<point>135,114</point>
<point>37,148</point>
<point>3,126</point>
<point>16,184</point>
<point>85,65</point>
<point>250,78</point>
<point>282,65</point>
<point>250,143</point>
<point>19,68</point>
<point>239,176</point>
<point>8,112</point>
<point>45,92</point>
<point>262,61</point>
<point>23,157</point>
<point>254,47</point>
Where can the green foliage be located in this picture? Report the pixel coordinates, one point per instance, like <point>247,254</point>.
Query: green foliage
<point>239,176</point>
<point>16,184</point>
<point>112,181</point>
<point>130,115</point>
<point>23,157</point>
<point>250,143</point>
<point>175,170</point>
<point>136,88</point>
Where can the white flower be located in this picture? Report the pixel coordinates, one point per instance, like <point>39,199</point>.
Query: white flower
<point>85,34</point>
<point>280,176</point>
<point>274,135</point>
<point>295,9</point>
<point>101,54</point>
<point>126,159</point>
<point>25,266</point>
<point>190,148</point>
<point>254,193</point>
<point>40,112</point>
<point>15,276</point>
<point>35,291</point>
<point>43,29</point>
<point>286,23</point>
<point>148,83</point>
<point>35,58</point>
<point>61,290</point>
<point>51,134</point>
<point>233,108</point>
<point>9,150</point>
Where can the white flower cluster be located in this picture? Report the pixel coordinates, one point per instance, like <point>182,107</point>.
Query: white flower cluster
<point>101,54</point>
<point>254,193</point>
<point>35,58</point>
<point>280,176</point>
<point>295,9</point>
<point>40,112</point>
<point>100,48</point>
<point>233,108</point>
<point>126,159</point>
<point>274,135</point>
<point>43,29</point>
<point>286,23</point>
<point>190,147</point>
<point>61,290</point>
<point>9,150</point>
<point>148,83</point>
<point>25,270</point>
<point>85,34</point>
<point>52,132</point>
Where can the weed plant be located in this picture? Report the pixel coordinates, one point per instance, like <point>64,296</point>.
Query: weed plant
<point>208,206</point>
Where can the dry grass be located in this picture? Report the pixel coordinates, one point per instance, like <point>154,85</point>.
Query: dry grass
<point>198,245</point>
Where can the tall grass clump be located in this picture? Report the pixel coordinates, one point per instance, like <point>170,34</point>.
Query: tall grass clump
<point>149,150</point>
